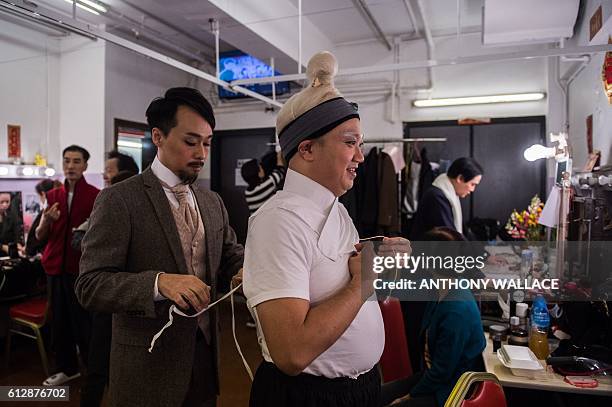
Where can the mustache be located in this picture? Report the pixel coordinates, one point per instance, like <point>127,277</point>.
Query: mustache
<point>196,163</point>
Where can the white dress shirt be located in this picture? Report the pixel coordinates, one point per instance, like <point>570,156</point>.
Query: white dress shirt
<point>164,174</point>
<point>298,246</point>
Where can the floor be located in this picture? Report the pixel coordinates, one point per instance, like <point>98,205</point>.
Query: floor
<point>25,368</point>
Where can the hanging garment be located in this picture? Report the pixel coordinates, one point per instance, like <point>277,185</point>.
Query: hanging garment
<point>397,157</point>
<point>411,199</point>
<point>368,195</point>
<point>388,203</point>
<point>427,175</point>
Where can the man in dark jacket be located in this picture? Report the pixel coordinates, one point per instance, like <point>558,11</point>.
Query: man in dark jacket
<point>155,240</point>
<point>439,206</point>
<point>67,207</point>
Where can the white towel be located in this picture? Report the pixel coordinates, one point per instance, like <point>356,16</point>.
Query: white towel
<point>444,183</point>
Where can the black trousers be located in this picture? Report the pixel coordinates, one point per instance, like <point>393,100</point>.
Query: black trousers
<point>70,324</point>
<point>271,387</point>
<point>203,386</point>
<point>399,388</point>
<point>98,360</point>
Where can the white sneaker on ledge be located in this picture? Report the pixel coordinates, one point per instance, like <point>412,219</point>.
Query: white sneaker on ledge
<point>59,378</point>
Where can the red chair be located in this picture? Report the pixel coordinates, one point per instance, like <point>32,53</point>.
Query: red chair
<point>395,360</point>
<point>487,391</point>
<point>30,314</point>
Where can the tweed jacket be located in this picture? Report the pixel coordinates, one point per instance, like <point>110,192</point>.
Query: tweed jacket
<point>132,237</point>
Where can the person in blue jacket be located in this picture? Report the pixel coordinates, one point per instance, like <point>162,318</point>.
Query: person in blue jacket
<point>452,342</point>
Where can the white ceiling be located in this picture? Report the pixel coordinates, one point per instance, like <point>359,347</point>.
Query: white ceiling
<point>181,28</point>
<point>342,22</point>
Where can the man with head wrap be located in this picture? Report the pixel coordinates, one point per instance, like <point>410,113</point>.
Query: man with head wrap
<point>320,337</point>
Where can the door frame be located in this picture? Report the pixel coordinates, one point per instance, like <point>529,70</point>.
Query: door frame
<point>217,151</point>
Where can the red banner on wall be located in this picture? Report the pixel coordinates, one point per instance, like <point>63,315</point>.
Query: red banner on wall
<point>14,141</point>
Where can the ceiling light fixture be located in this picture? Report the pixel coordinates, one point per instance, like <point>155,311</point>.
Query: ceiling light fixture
<point>91,6</point>
<point>475,100</point>
<point>129,144</point>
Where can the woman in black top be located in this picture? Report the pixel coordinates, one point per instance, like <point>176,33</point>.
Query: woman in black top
<point>262,186</point>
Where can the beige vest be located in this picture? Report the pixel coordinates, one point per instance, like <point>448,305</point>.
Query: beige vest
<point>194,250</point>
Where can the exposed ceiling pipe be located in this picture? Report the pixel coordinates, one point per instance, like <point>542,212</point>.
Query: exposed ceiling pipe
<point>458,24</point>
<point>160,42</point>
<point>168,24</point>
<point>299,36</point>
<point>273,83</point>
<point>564,84</point>
<point>529,54</point>
<point>568,82</point>
<point>180,65</point>
<point>32,10</point>
<point>579,69</point>
<point>413,21</point>
<point>38,23</point>
<point>396,80</point>
<point>565,58</point>
<point>214,27</point>
<point>131,26</point>
<point>33,15</point>
<point>367,14</point>
<point>431,47</point>
<point>564,91</point>
<point>411,36</point>
<point>157,36</point>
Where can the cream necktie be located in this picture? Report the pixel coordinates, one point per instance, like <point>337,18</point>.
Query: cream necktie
<point>189,213</point>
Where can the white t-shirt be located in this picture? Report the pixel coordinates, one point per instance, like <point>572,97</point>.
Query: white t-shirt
<point>298,246</point>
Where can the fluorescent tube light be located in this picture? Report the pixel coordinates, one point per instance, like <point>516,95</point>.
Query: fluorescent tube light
<point>94,5</point>
<point>474,100</point>
<point>129,144</point>
<point>89,5</point>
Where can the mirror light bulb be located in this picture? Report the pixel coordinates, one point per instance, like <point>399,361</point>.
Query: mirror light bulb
<point>537,151</point>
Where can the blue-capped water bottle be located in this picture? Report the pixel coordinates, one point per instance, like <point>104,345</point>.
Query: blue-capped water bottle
<point>540,321</point>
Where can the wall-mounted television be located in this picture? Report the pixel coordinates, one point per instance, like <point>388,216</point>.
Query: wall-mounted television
<point>238,65</point>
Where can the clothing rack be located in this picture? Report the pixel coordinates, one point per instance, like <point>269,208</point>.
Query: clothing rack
<point>399,175</point>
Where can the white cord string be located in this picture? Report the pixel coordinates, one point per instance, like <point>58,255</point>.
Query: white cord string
<point>157,335</point>
<point>174,309</point>
<point>246,364</point>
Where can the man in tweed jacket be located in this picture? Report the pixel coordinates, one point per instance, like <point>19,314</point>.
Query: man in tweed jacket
<point>149,247</point>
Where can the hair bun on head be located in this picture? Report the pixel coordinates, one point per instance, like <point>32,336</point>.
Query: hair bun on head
<point>321,69</point>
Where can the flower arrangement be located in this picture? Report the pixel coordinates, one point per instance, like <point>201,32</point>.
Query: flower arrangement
<point>525,225</point>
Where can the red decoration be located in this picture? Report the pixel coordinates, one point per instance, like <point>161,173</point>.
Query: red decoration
<point>14,141</point>
<point>606,73</point>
